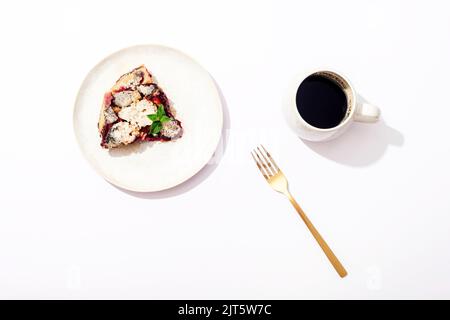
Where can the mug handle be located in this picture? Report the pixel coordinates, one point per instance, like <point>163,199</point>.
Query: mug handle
<point>366,112</point>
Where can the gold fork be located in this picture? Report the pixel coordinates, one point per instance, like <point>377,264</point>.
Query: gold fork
<point>279,183</point>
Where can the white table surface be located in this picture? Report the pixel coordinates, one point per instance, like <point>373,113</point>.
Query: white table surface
<point>379,194</point>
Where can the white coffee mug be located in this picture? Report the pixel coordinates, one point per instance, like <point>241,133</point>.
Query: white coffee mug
<point>357,109</point>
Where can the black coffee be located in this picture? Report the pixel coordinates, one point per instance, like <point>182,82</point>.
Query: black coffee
<point>321,102</point>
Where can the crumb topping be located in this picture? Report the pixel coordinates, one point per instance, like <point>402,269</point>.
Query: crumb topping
<point>110,115</point>
<point>171,129</point>
<point>137,113</point>
<point>125,98</point>
<point>146,90</point>
<point>121,133</point>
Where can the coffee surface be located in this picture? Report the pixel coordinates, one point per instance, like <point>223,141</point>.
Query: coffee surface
<point>321,102</point>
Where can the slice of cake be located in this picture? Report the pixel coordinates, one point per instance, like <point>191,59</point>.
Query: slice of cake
<point>136,109</point>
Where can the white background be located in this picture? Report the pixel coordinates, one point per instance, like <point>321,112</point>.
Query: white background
<point>379,194</point>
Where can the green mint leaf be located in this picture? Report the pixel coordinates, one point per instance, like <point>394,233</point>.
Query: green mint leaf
<point>153,117</point>
<point>160,111</point>
<point>164,119</point>
<point>156,127</point>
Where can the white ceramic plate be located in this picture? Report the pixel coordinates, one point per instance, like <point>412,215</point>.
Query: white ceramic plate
<point>152,166</point>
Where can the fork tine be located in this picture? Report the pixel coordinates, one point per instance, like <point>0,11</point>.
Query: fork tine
<point>259,166</point>
<point>274,170</point>
<point>264,164</point>
<point>271,159</point>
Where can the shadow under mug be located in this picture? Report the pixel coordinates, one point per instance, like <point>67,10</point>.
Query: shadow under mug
<point>357,108</point>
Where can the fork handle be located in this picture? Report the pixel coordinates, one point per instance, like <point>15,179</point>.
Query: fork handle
<point>326,249</point>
